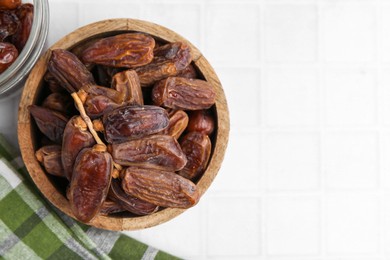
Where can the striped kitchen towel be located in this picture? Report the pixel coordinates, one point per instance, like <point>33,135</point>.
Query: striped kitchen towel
<point>31,228</point>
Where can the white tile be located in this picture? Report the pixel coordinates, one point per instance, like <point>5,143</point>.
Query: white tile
<point>290,32</point>
<point>292,161</point>
<point>350,97</point>
<point>180,236</point>
<point>57,29</point>
<point>232,33</point>
<point>240,170</point>
<point>291,97</point>
<point>233,227</point>
<point>292,226</point>
<point>183,19</point>
<point>351,223</point>
<point>385,32</point>
<point>348,32</point>
<point>386,224</point>
<point>245,87</point>
<point>351,160</point>
<point>385,161</point>
<point>95,11</point>
<point>385,96</point>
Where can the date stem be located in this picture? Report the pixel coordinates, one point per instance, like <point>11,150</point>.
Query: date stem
<point>88,121</point>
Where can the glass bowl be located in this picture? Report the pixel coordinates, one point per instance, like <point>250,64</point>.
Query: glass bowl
<point>11,79</point>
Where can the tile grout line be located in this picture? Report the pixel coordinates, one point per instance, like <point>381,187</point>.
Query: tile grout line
<point>322,115</point>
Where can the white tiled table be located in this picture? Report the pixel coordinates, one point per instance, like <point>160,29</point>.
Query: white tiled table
<point>307,170</point>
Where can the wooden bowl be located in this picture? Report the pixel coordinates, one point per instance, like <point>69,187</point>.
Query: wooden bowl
<point>28,135</point>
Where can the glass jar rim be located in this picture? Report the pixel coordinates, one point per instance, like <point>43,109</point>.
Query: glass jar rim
<point>13,75</point>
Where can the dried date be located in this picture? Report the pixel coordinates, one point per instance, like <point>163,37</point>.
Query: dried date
<point>127,50</point>
<point>165,189</point>
<point>169,60</point>
<point>50,158</point>
<point>90,182</point>
<point>10,4</point>
<point>131,122</point>
<point>25,13</point>
<point>51,123</point>
<point>183,93</point>
<point>111,207</point>
<point>96,106</point>
<point>201,121</point>
<point>9,24</point>
<point>197,148</point>
<point>127,83</point>
<point>69,71</point>
<point>157,151</point>
<point>76,137</point>
<point>8,54</point>
<point>129,202</point>
<point>178,121</point>
<point>59,102</point>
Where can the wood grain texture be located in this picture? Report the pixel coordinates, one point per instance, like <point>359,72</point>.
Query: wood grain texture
<point>33,88</point>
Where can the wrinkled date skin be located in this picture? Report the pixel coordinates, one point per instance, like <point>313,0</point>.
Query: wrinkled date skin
<point>165,189</point>
<point>188,72</point>
<point>69,71</point>
<point>157,151</point>
<point>169,60</point>
<point>201,121</point>
<point>90,182</point>
<point>127,50</point>
<point>96,106</point>
<point>25,14</point>
<point>112,94</point>
<point>9,24</point>
<point>129,202</point>
<point>50,157</point>
<point>8,54</point>
<point>59,102</point>
<point>76,137</point>
<point>10,4</point>
<point>127,82</point>
<point>51,123</point>
<point>178,121</point>
<point>183,93</point>
<point>110,207</point>
<point>197,148</point>
<point>131,122</point>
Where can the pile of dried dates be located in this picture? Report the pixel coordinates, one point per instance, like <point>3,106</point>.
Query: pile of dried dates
<point>15,26</point>
<point>127,122</point>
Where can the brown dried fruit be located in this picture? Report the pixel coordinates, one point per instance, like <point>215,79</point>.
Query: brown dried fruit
<point>157,151</point>
<point>127,50</point>
<point>50,158</point>
<point>69,71</point>
<point>201,121</point>
<point>96,106</point>
<point>178,121</point>
<point>59,102</point>
<point>90,182</point>
<point>8,54</point>
<point>197,148</point>
<point>50,122</point>
<point>76,138</point>
<point>188,72</point>
<point>127,83</point>
<point>52,83</point>
<point>165,189</point>
<point>110,207</point>
<point>10,4</point>
<point>183,93</point>
<point>129,202</point>
<point>131,122</point>
<point>25,14</point>
<point>9,24</point>
<point>169,60</point>
<point>94,90</point>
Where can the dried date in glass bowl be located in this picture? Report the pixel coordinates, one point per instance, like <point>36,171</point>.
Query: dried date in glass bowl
<point>43,98</point>
<point>27,42</point>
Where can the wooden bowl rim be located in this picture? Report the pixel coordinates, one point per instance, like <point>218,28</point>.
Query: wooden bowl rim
<point>32,88</point>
